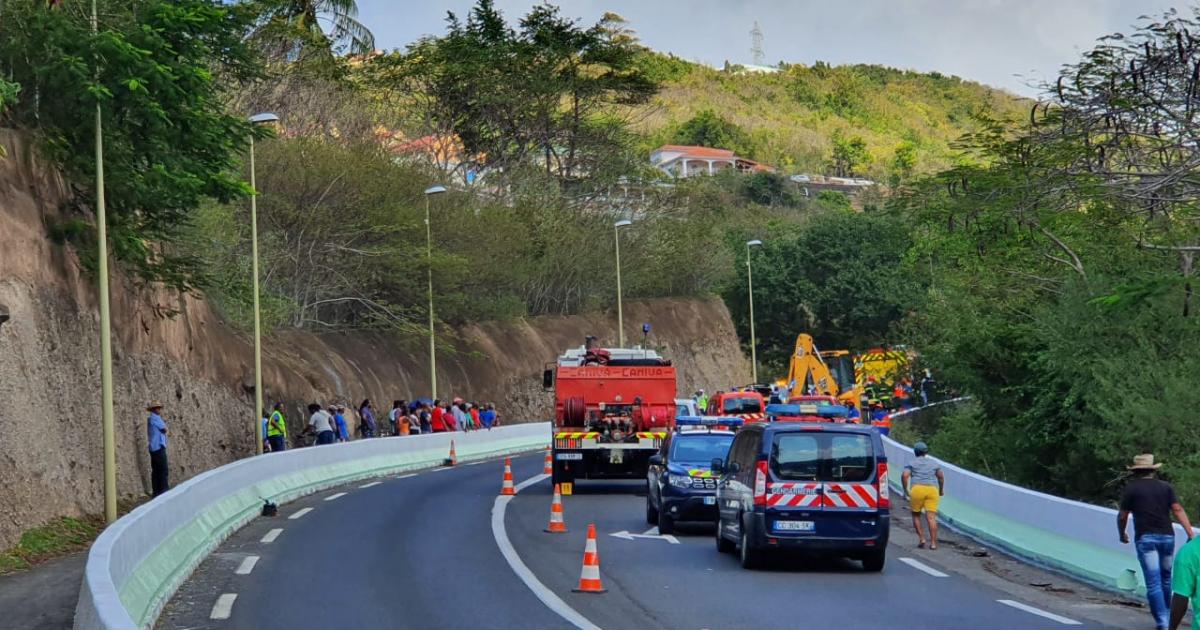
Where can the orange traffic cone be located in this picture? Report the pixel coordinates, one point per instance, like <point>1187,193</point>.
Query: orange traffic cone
<point>507,488</point>
<point>589,578</point>
<point>453,459</point>
<point>548,467</point>
<point>557,525</point>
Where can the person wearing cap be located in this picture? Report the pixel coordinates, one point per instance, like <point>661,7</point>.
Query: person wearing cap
<point>156,436</point>
<point>924,484</point>
<point>1152,501</point>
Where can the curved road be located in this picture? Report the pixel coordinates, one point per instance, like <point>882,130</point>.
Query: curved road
<point>418,551</point>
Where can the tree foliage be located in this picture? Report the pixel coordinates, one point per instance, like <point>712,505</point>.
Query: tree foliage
<point>153,69</point>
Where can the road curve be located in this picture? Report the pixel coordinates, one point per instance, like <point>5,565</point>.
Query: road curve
<point>419,552</point>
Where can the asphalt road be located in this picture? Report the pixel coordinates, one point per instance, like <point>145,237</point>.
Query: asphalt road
<point>419,552</point>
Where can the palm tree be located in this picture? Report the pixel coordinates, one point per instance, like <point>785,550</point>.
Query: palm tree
<point>288,28</point>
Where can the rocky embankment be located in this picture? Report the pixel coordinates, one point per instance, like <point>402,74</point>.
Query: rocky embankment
<point>176,349</point>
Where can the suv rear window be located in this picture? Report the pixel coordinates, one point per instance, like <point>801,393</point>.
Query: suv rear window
<point>741,405</point>
<point>823,457</point>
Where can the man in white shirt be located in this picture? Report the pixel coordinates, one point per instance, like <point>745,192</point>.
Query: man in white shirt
<point>321,423</point>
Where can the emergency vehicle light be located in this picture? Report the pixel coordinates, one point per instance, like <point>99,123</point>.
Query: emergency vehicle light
<point>708,420</point>
<point>808,409</point>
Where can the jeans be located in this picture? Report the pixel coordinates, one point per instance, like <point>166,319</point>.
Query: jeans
<point>325,437</point>
<point>158,471</point>
<point>1156,555</point>
<point>276,442</point>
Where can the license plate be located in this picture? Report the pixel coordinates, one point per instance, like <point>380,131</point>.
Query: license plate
<point>710,500</point>
<point>568,456</point>
<point>795,526</point>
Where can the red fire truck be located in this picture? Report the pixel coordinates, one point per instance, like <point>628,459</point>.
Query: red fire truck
<point>612,409</point>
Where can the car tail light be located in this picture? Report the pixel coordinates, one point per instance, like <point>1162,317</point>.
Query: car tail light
<point>760,484</point>
<point>881,486</point>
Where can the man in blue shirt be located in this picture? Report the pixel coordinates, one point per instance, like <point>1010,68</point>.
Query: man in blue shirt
<point>156,436</point>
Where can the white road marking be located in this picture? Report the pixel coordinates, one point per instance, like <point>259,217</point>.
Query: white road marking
<point>628,536</point>
<point>552,601</point>
<point>921,566</point>
<point>335,496</point>
<point>441,469</point>
<point>299,513</point>
<point>407,476</point>
<point>223,607</point>
<point>247,564</point>
<point>653,531</point>
<point>1066,621</point>
<point>272,535</point>
<point>370,485</point>
<point>476,463</point>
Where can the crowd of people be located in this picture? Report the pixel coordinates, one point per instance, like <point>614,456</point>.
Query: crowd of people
<point>333,423</point>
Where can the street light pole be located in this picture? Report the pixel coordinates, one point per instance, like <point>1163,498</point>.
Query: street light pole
<point>106,386</point>
<point>429,192</point>
<point>620,314</point>
<point>258,386</point>
<point>750,292</point>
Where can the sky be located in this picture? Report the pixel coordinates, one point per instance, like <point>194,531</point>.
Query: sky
<point>1003,43</point>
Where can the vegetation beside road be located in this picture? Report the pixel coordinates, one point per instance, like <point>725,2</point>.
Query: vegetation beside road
<point>58,537</point>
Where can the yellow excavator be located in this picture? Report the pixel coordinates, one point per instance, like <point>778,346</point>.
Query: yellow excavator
<point>809,372</point>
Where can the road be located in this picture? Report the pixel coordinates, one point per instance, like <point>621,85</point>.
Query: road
<point>419,551</point>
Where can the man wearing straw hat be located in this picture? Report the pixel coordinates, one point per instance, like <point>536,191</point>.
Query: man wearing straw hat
<point>1152,501</point>
<point>156,436</point>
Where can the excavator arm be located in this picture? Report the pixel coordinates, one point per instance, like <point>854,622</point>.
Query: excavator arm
<point>807,372</point>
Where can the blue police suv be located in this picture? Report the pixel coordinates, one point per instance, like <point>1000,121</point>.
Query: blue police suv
<point>680,484</point>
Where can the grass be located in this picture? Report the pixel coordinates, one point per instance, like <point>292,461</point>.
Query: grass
<point>58,537</point>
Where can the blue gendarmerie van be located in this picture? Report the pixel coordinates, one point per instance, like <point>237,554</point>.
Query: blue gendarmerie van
<point>810,486</point>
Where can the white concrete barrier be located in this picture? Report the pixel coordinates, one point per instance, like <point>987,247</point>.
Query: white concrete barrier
<point>138,562</point>
<point>1077,538</point>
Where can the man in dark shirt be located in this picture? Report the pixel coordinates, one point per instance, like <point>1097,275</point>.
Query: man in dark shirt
<point>1152,502</point>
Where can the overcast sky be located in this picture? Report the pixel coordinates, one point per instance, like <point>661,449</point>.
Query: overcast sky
<point>991,41</point>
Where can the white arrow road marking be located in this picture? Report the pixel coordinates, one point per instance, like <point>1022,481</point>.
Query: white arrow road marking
<point>625,535</point>
<point>247,565</point>
<point>1066,621</point>
<point>547,597</point>
<point>921,566</point>
<point>335,496</point>
<point>271,535</point>
<point>653,531</point>
<point>223,607</point>
<point>299,513</point>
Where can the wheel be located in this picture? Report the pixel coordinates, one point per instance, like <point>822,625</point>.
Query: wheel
<point>651,513</point>
<point>666,524</point>
<point>749,555</point>
<point>724,545</point>
<point>874,561</point>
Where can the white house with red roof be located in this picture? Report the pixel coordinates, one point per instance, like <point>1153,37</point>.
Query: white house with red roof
<point>687,161</point>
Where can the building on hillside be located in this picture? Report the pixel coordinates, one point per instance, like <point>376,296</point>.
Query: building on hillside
<point>687,161</point>
<point>811,185</point>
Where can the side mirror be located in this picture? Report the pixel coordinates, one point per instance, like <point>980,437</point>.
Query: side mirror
<point>656,460</point>
<point>733,468</point>
<point>548,380</point>
<point>718,466</point>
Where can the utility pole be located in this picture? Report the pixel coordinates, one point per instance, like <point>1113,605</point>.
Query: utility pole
<point>756,48</point>
<point>106,387</point>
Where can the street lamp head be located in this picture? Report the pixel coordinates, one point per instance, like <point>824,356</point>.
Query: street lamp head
<point>753,243</point>
<point>264,117</point>
<point>435,189</point>
<point>622,223</point>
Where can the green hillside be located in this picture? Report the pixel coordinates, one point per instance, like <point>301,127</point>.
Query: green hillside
<point>907,120</point>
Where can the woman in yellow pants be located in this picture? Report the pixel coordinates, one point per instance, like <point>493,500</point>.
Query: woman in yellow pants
<point>924,485</point>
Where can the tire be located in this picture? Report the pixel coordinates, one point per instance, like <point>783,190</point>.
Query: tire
<point>749,555</point>
<point>724,545</point>
<point>874,561</point>
<point>666,524</point>
<point>651,513</point>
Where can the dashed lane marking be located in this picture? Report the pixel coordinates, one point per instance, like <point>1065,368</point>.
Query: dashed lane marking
<point>552,601</point>
<point>247,564</point>
<point>299,513</point>
<point>370,485</point>
<point>441,469</point>
<point>407,476</point>
<point>921,566</point>
<point>272,535</point>
<point>223,607</point>
<point>335,496</point>
<point>476,463</point>
<point>1066,621</point>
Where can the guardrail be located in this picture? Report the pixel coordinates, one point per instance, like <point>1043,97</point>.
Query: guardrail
<point>139,561</point>
<point>1071,537</point>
